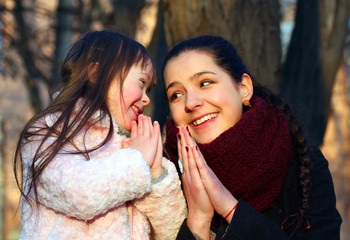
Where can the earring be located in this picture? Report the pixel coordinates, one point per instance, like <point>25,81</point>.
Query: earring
<point>246,103</point>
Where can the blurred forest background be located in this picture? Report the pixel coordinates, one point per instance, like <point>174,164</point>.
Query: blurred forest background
<point>299,48</point>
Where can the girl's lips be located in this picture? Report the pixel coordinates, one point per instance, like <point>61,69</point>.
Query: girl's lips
<point>136,110</point>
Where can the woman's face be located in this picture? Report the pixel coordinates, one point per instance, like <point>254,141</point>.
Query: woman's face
<point>126,107</point>
<point>204,96</point>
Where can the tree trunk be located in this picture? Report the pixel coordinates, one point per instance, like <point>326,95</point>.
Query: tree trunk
<point>125,16</point>
<point>252,27</point>
<point>334,20</point>
<point>311,65</point>
<point>158,50</point>
<point>2,182</point>
<point>28,58</point>
<point>336,147</point>
<point>64,35</point>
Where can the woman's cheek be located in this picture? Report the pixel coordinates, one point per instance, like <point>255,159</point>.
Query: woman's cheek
<point>176,114</point>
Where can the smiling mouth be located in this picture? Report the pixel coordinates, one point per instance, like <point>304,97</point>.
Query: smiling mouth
<point>136,109</point>
<point>204,119</point>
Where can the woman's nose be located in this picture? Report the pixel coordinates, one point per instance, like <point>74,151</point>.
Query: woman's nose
<point>193,102</point>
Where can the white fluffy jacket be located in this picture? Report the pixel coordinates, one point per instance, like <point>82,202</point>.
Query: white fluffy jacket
<point>109,196</point>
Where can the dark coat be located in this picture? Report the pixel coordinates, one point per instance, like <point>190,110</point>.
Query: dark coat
<point>324,219</point>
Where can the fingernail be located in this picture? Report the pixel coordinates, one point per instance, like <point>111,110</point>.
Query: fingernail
<point>187,148</point>
<point>187,128</point>
<point>177,129</point>
<point>179,135</point>
<point>189,133</point>
<point>196,148</point>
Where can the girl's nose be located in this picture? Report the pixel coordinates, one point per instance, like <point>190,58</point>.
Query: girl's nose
<point>193,102</point>
<point>145,99</point>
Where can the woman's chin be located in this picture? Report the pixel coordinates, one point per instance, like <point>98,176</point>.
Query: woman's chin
<point>205,138</point>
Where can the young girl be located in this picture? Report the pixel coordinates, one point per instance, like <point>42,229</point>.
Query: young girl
<point>84,175</point>
<point>248,172</point>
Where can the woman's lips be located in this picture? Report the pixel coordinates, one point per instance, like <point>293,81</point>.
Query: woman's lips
<point>204,119</point>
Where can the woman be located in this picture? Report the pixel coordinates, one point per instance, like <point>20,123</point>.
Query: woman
<point>242,154</point>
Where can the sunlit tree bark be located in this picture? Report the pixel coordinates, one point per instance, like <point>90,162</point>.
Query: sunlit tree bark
<point>334,22</point>
<point>252,26</point>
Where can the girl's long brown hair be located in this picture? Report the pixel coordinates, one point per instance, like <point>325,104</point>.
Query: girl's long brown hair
<point>115,55</point>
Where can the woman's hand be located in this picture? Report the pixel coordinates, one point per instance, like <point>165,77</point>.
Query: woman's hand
<point>146,138</point>
<point>200,209</point>
<point>221,199</point>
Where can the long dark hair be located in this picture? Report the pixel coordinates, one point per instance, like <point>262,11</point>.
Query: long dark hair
<point>226,56</point>
<point>114,55</point>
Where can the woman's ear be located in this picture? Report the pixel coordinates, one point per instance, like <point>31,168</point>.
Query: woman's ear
<point>246,87</point>
<point>92,72</point>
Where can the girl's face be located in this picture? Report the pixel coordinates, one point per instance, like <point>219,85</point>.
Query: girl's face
<point>126,107</point>
<point>204,96</point>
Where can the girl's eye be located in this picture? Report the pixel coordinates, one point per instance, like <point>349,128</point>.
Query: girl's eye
<point>142,81</point>
<point>205,83</point>
<point>175,96</point>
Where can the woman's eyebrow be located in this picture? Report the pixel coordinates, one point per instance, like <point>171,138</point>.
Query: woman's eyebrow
<point>172,84</point>
<point>194,76</point>
<point>198,74</point>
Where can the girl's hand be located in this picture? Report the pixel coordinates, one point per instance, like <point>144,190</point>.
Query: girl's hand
<point>145,138</point>
<point>125,144</point>
<point>157,168</point>
<point>221,199</point>
<point>200,208</point>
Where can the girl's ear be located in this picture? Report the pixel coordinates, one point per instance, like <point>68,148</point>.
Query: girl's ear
<point>93,72</point>
<point>246,87</point>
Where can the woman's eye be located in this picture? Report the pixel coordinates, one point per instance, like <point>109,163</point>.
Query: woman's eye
<point>205,83</point>
<point>175,96</point>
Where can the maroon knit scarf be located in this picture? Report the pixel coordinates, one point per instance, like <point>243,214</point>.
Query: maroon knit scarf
<point>251,158</point>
